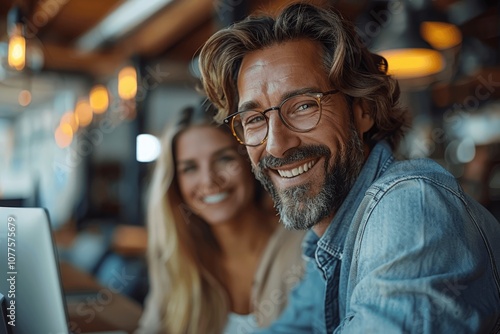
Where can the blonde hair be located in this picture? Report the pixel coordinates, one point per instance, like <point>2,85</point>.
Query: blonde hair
<point>182,250</point>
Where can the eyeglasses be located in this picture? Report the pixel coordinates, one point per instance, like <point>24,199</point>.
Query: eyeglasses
<point>299,113</point>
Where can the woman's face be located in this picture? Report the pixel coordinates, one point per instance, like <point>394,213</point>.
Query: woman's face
<point>215,180</point>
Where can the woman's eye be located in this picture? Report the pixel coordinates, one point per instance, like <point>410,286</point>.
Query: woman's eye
<point>226,158</point>
<point>224,161</point>
<point>187,169</point>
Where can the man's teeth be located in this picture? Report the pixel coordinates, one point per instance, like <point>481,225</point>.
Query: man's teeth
<point>212,199</point>
<point>296,171</point>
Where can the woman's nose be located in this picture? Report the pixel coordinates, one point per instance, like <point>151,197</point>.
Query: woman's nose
<point>212,178</point>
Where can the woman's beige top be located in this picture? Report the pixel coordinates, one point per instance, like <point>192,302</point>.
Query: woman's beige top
<point>280,268</point>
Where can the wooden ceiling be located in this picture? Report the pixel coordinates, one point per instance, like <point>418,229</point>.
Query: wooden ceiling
<point>175,32</point>
<point>182,25</point>
<point>57,25</point>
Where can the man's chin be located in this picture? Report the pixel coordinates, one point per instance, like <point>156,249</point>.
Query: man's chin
<point>297,207</point>
<point>294,225</point>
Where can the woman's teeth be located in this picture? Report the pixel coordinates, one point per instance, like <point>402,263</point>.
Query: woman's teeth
<point>296,171</point>
<point>216,198</point>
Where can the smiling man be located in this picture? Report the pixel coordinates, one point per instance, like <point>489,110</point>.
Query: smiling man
<point>394,246</point>
<point>318,166</point>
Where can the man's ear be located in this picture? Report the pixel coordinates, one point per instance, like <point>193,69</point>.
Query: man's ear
<point>362,117</point>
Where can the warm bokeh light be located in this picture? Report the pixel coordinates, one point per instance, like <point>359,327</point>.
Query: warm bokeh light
<point>441,35</point>
<point>70,119</point>
<point>413,63</point>
<point>127,83</point>
<point>17,52</point>
<point>99,99</point>
<point>83,113</point>
<point>24,98</point>
<point>63,135</point>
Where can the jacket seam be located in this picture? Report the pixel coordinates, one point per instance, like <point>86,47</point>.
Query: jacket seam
<point>376,200</point>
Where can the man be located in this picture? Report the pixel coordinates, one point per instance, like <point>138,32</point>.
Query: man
<point>395,247</point>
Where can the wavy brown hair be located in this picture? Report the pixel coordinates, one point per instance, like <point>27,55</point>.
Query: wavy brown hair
<point>350,66</point>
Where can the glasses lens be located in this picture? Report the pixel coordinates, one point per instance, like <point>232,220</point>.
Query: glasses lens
<point>250,127</point>
<point>301,112</point>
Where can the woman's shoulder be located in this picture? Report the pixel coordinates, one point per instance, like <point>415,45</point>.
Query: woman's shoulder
<point>284,247</point>
<point>287,238</point>
<point>280,269</point>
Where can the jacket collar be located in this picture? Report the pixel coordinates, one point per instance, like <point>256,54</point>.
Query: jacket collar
<point>332,241</point>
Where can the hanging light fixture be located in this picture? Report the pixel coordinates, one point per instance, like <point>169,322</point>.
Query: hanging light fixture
<point>63,135</point>
<point>83,112</point>
<point>127,83</point>
<point>17,42</point>
<point>441,35</point>
<point>99,99</point>
<point>409,56</point>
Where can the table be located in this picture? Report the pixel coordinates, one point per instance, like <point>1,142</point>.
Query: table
<point>93,307</point>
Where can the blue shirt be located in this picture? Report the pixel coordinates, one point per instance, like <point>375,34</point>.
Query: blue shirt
<point>407,252</point>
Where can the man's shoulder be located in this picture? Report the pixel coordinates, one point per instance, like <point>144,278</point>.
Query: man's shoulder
<point>425,171</point>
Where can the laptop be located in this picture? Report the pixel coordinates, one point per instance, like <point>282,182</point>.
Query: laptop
<point>33,298</point>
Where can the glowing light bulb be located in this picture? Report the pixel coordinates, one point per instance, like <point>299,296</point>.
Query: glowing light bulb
<point>127,83</point>
<point>99,99</point>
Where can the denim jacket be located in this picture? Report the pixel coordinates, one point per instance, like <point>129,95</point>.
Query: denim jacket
<point>407,252</point>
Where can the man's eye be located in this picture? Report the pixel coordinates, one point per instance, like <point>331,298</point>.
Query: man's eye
<point>301,107</point>
<point>254,119</point>
<point>304,106</point>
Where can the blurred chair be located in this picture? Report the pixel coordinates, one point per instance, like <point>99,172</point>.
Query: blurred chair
<point>123,267</point>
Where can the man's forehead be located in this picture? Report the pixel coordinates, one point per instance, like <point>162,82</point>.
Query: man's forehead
<point>280,68</point>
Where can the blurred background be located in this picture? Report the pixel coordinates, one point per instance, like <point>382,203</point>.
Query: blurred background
<point>86,87</point>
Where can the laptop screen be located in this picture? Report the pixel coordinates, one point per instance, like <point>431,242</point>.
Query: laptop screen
<point>30,281</point>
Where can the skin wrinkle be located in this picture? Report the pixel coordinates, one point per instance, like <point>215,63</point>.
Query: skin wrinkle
<point>347,299</point>
<point>339,179</point>
<point>265,78</point>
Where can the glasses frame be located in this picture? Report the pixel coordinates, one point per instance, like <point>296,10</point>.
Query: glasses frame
<point>229,120</point>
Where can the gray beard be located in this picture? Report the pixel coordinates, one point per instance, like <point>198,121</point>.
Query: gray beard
<point>297,208</point>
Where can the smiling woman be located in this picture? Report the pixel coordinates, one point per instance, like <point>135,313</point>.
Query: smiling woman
<point>217,256</point>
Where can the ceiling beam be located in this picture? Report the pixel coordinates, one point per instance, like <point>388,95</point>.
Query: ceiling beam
<point>168,27</point>
<point>43,12</point>
<point>94,63</point>
<point>163,31</point>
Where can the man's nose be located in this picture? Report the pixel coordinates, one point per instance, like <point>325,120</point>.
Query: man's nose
<point>280,138</point>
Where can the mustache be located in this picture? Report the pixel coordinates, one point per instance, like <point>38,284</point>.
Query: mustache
<point>296,154</point>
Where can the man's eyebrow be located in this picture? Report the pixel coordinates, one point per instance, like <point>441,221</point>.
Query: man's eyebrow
<point>248,105</point>
<point>305,90</point>
<point>253,105</point>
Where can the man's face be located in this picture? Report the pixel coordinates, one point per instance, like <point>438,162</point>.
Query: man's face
<point>324,161</point>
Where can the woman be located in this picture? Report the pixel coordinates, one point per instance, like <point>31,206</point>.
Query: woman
<point>218,258</point>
